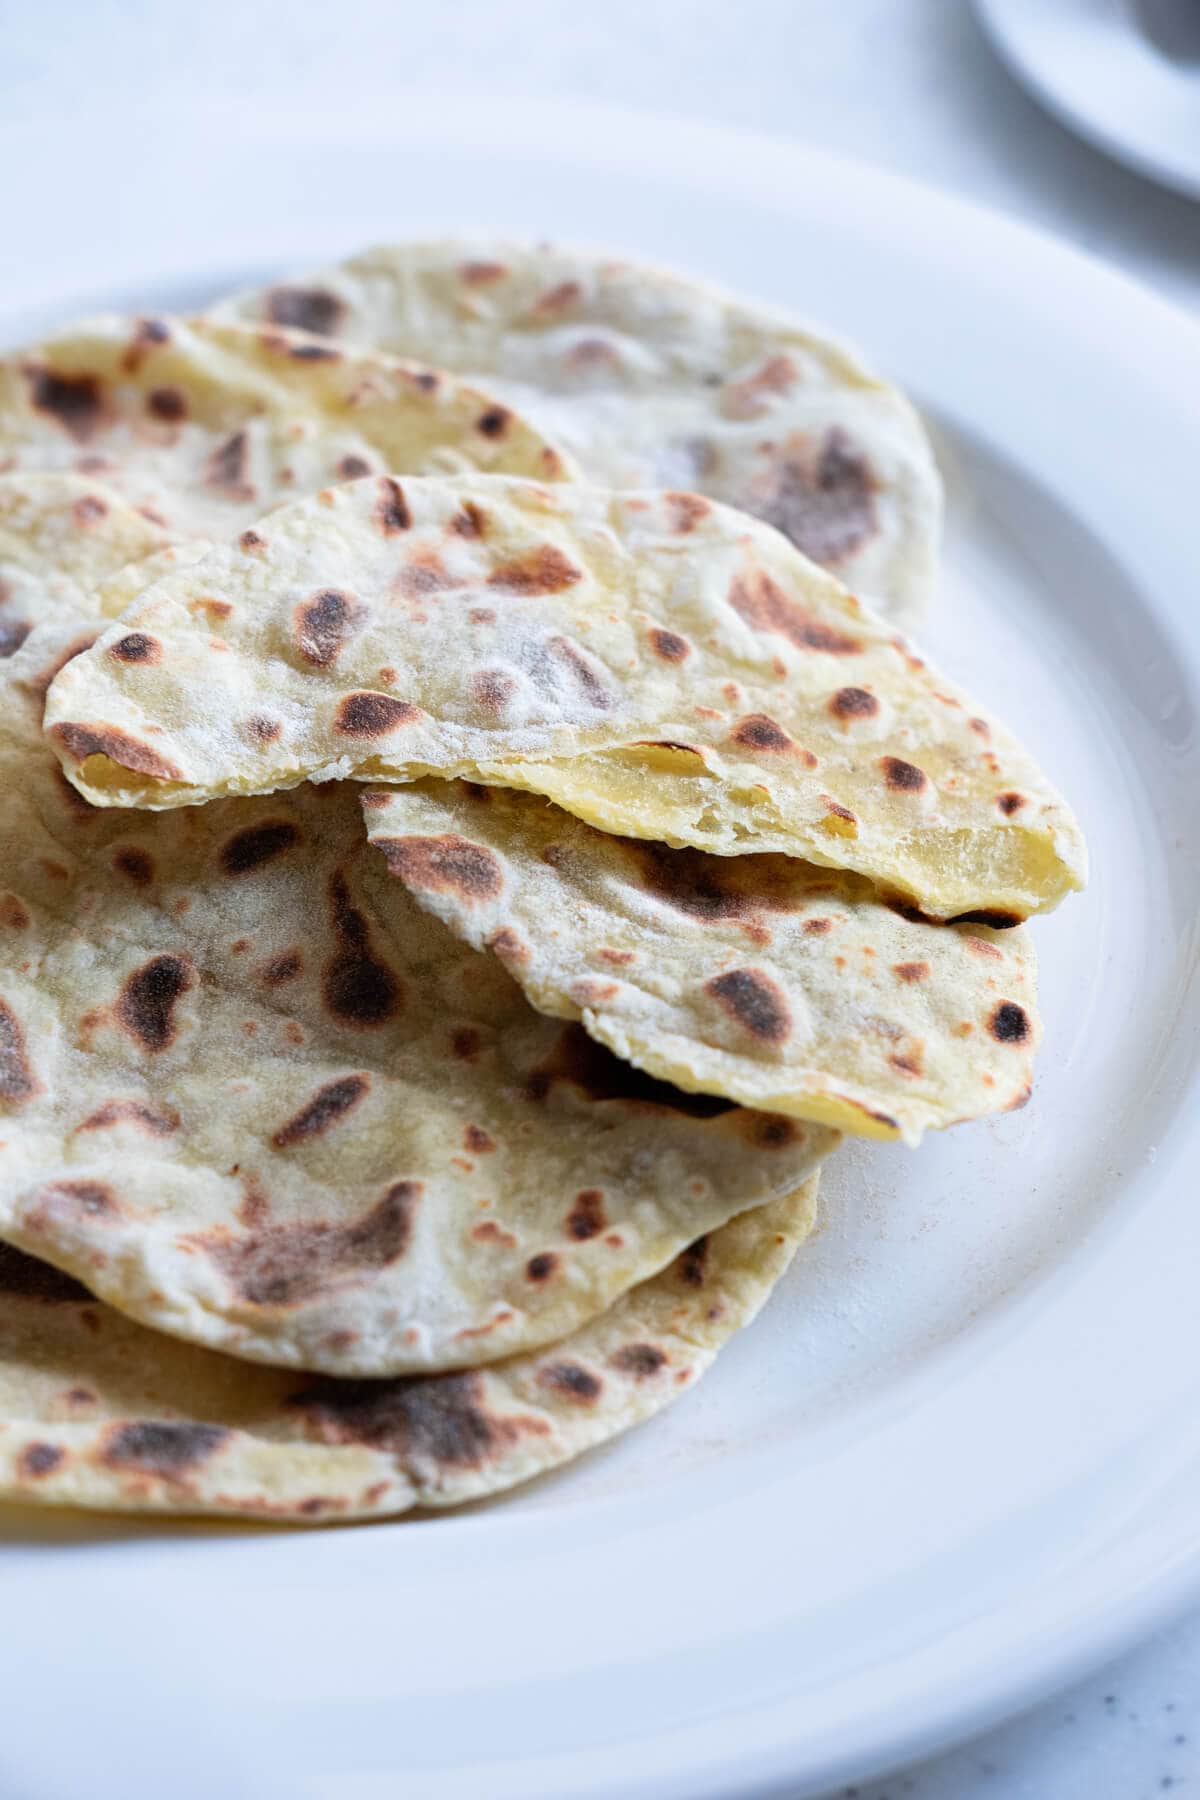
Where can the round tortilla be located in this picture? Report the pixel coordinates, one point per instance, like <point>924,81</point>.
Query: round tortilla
<point>774,982</point>
<point>96,1411</point>
<point>658,665</point>
<point>204,427</point>
<point>254,1096</point>
<point>649,380</point>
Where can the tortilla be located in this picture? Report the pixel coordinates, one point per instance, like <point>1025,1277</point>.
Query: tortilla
<point>658,665</point>
<point>254,1096</point>
<point>653,380</point>
<point>205,427</point>
<point>773,982</point>
<point>96,1411</point>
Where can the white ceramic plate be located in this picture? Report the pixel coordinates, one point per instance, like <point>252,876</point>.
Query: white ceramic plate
<point>1125,74</point>
<point>958,1459</point>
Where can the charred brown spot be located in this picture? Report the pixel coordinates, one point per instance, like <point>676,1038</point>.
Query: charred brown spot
<point>14,913</point>
<point>494,422</point>
<point>136,647</point>
<point>478,1141</point>
<point>323,624</point>
<point>763,604</point>
<point>853,703</point>
<point>509,946</point>
<point>357,987</point>
<point>489,1232</point>
<point>586,1065</point>
<point>692,1263</point>
<point>749,398</point>
<point>542,570</point>
<point>571,1381</point>
<point>638,1360</point>
<point>146,1004</point>
<point>771,1131</point>
<point>903,777</point>
<point>591,353</point>
<point>17,1080</point>
<point>327,1107</point>
<point>391,508</point>
<point>250,848</point>
<point>37,1460</point>
<point>492,689</point>
<point>542,1266</point>
<point>88,510</point>
<point>908,1062</point>
<point>1009,1023</point>
<point>911,971</point>
<point>980,946</point>
<point>691,881</point>
<point>305,309</point>
<point>313,353</point>
<point>585,676</point>
<point>167,404</point>
<point>424,573</point>
<point>252,542</point>
<point>147,334</point>
<point>281,1265</point>
<point>162,1447</point>
<point>905,909</point>
<point>587,1217</point>
<point>758,732</point>
<point>464,1043</point>
<point>470,521</point>
<point>817,927</point>
<point>284,967</point>
<point>95,1198</point>
<point>669,645</point>
<point>82,741</point>
<point>1010,803</point>
<point>368,714</point>
<point>263,730</point>
<point>28,1278</point>
<point>157,1121</point>
<point>590,992</point>
<point>353,468</point>
<point>755,1002</point>
<point>75,401</point>
<point>446,864</point>
<point>479,273</point>
<point>998,921</point>
<point>226,469</point>
<point>13,633</point>
<point>824,504</point>
<point>558,298</point>
<point>686,511</point>
<point>439,1420</point>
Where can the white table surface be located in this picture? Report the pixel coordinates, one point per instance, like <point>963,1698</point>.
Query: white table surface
<point>909,83</point>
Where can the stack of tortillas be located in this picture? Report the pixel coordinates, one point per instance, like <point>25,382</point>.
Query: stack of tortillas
<point>468,854</point>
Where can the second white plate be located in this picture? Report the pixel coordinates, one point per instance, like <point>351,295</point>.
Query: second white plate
<point>1093,64</point>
